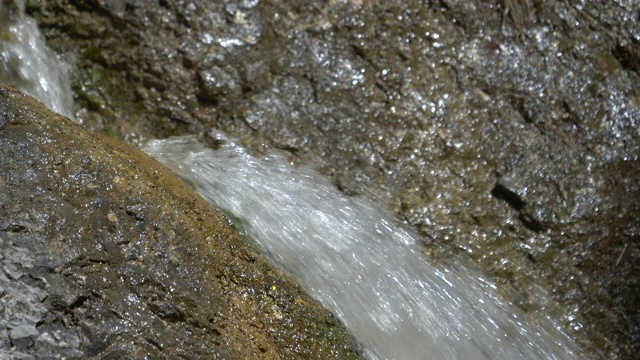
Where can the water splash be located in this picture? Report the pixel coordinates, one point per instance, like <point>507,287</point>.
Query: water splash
<point>348,254</point>
<point>26,63</point>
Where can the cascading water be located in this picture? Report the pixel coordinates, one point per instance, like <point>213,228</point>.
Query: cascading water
<point>28,64</point>
<point>348,253</point>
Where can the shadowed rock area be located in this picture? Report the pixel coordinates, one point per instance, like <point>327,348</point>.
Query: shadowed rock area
<point>106,254</point>
<point>506,132</point>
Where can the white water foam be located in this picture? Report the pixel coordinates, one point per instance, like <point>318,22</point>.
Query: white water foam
<point>348,254</point>
<point>27,64</point>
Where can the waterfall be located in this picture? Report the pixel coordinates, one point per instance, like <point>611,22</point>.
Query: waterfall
<point>350,255</point>
<point>26,63</point>
<point>346,251</point>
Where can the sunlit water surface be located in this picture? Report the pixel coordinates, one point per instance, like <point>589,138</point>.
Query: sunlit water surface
<point>348,253</point>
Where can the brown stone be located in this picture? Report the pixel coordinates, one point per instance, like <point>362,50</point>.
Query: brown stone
<point>111,255</point>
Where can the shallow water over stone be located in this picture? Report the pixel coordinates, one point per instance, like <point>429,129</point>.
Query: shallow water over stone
<point>348,253</point>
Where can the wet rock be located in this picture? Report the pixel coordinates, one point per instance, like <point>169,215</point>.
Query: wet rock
<point>107,254</point>
<point>217,83</point>
<point>505,132</point>
<point>514,191</point>
<point>22,335</point>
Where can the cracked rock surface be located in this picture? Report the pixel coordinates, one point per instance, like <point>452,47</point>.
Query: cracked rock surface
<point>106,254</point>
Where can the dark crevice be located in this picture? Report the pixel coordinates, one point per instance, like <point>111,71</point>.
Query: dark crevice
<point>167,312</point>
<point>15,228</point>
<point>154,343</point>
<point>530,223</point>
<point>628,57</point>
<point>78,303</point>
<point>523,108</point>
<point>530,257</point>
<point>135,214</point>
<point>501,192</point>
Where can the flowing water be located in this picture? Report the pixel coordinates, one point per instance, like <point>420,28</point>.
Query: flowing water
<point>348,253</point>
<point>27,64</point>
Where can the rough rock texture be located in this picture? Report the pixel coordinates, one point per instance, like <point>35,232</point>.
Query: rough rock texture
<point>106,254</point>
<point>504,131</point>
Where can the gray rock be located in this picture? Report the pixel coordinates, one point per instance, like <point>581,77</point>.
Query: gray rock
<point>23,335</point>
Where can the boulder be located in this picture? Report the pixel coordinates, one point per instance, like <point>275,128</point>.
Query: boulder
<point>104,253</point>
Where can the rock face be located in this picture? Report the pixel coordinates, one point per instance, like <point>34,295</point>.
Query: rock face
<point>106,254</point>
<point>504,131</point>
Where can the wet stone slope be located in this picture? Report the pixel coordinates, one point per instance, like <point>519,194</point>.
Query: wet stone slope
<point>106,254</point>
<point>506,132</point>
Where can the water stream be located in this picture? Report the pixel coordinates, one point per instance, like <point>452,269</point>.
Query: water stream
<point>26,63</point>
<point>348,253</point>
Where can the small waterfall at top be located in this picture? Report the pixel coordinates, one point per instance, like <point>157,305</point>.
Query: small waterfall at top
<point>348,253</point>
<point>26,63</point>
